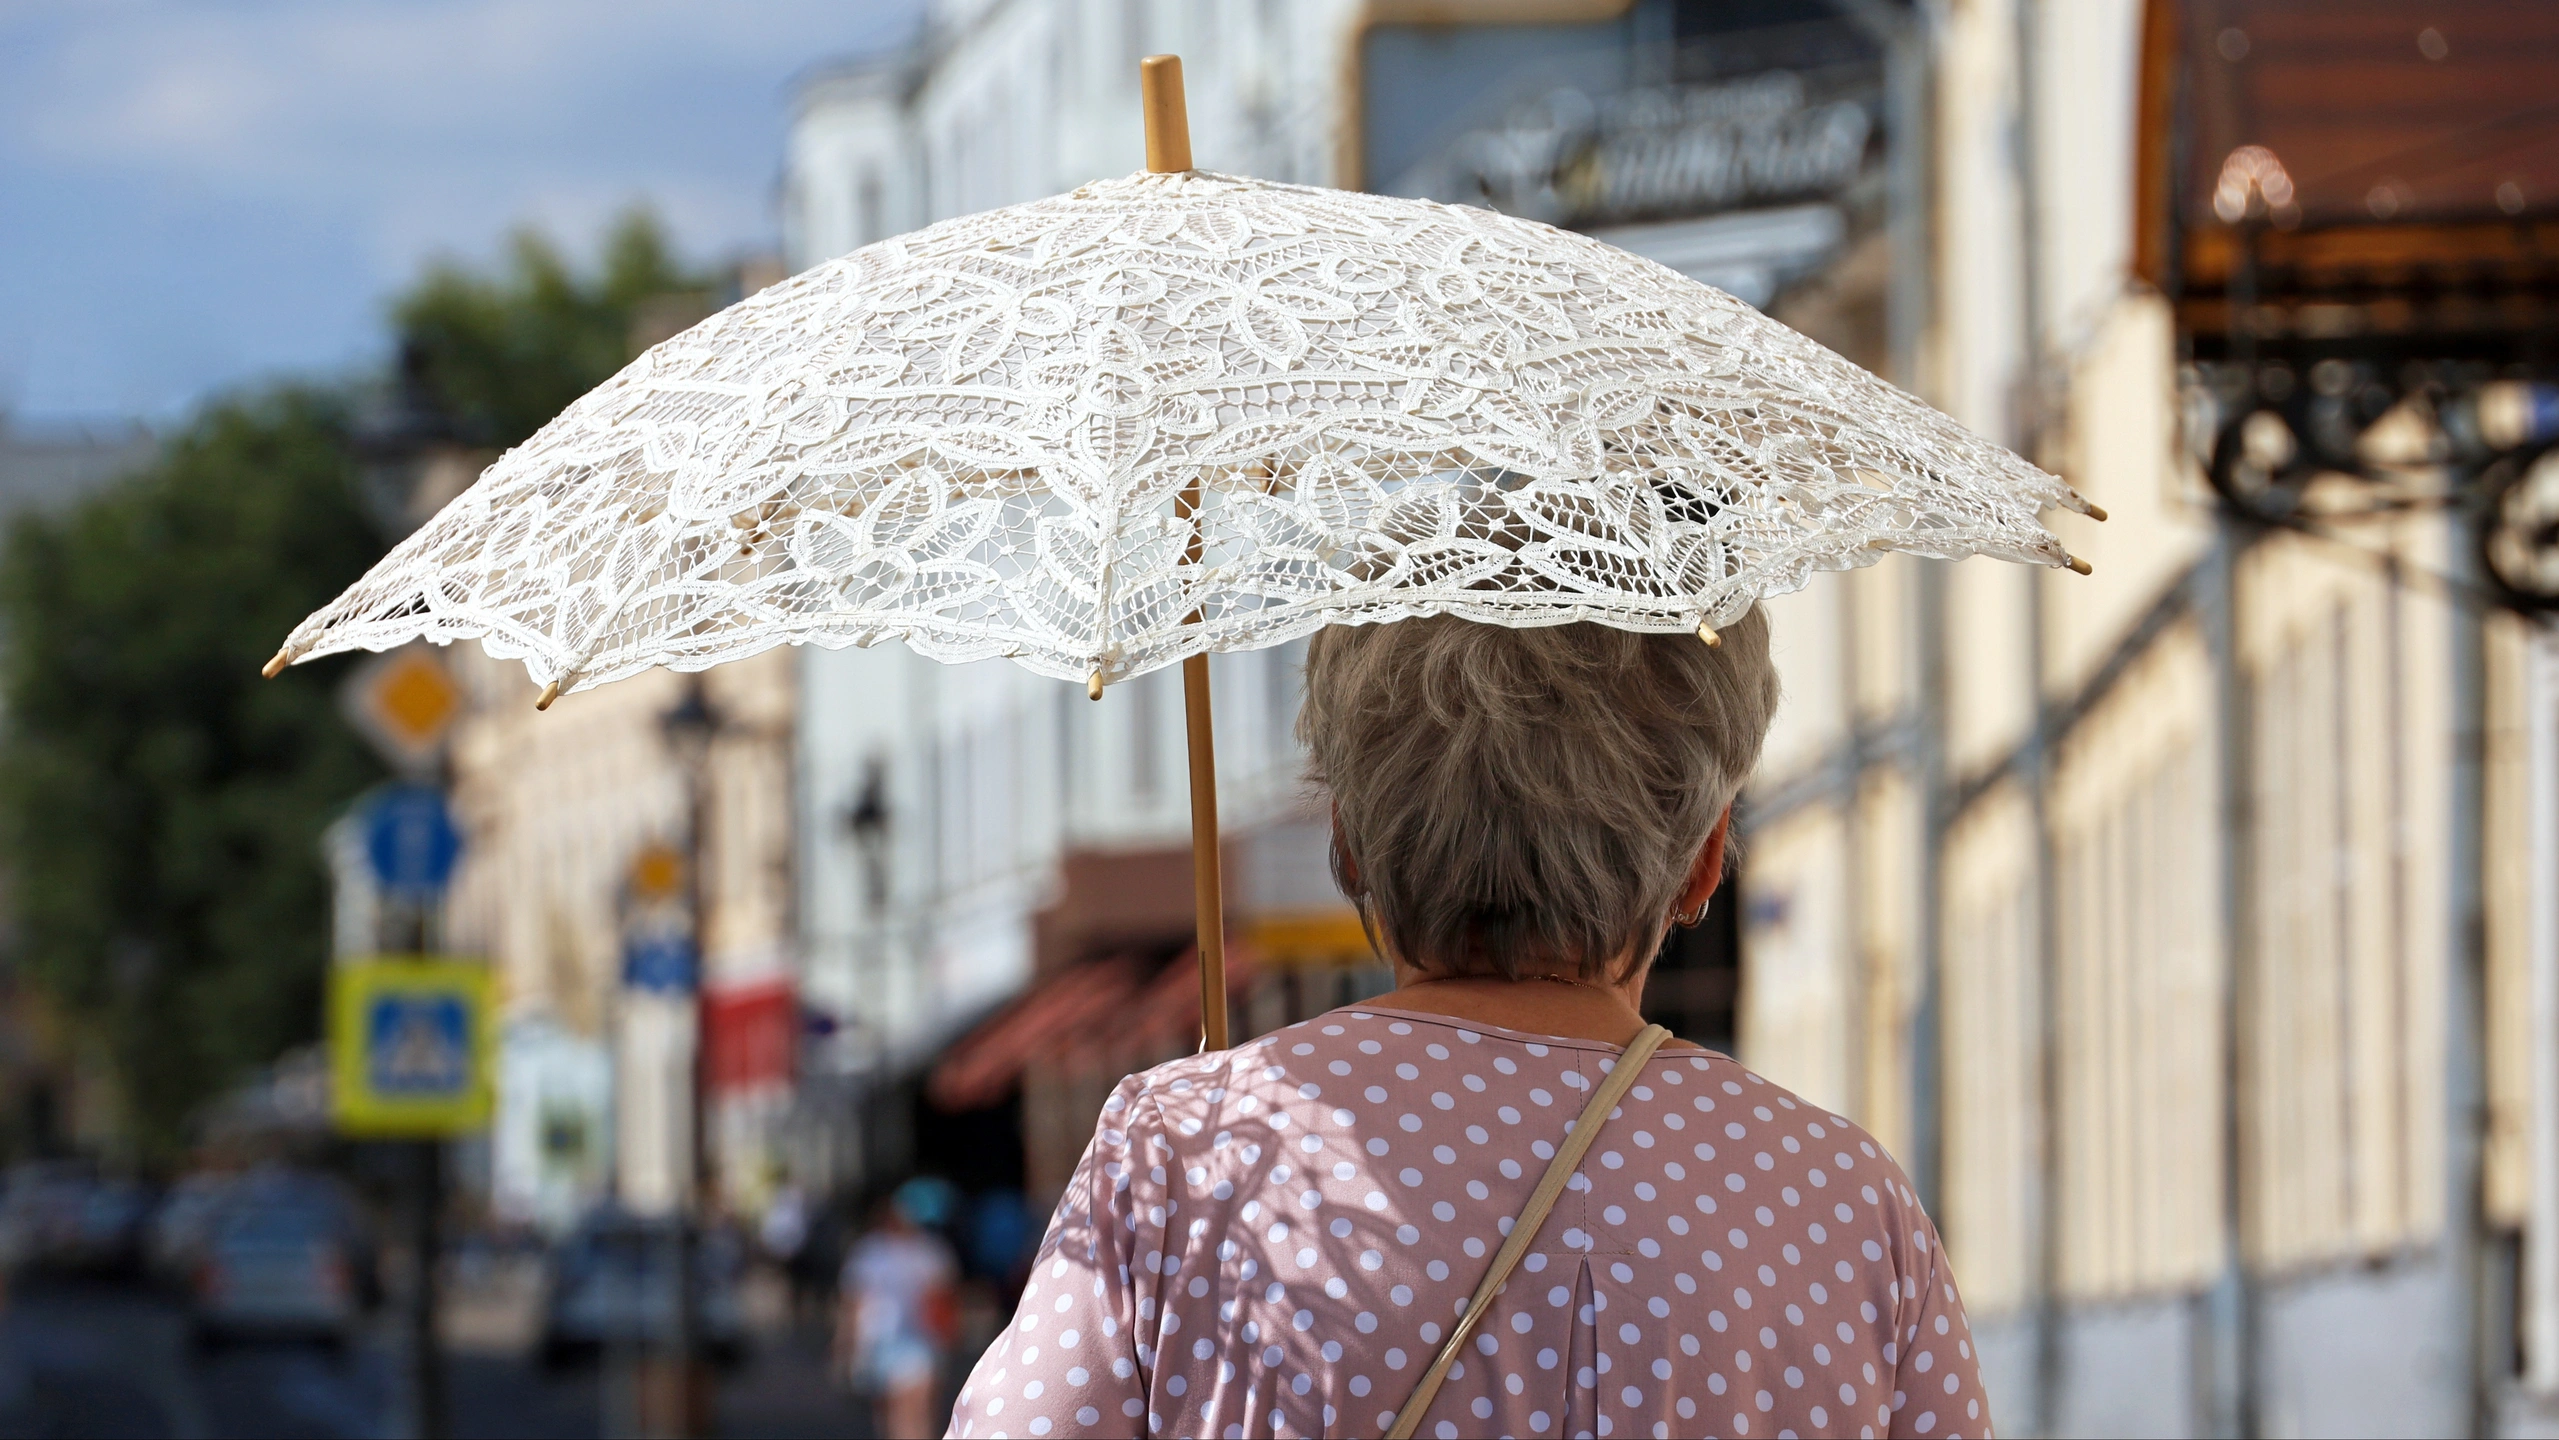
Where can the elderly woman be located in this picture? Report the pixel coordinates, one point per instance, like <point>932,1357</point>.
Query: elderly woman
<point>1278,1239</point>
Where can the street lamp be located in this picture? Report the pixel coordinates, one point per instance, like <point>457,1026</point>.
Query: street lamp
<point>689,728</point>
<point>397,440</point>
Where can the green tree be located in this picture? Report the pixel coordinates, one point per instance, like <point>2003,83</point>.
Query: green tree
<point>503,353</point>
<point>160,805</point>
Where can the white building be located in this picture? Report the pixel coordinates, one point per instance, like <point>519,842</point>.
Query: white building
<point>2185,929</point>
<point>941,802</point>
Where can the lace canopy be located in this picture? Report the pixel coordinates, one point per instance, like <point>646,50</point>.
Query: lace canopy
<point>1185,412</point>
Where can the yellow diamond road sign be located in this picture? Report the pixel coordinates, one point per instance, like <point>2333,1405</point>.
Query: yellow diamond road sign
<point>405,703</point>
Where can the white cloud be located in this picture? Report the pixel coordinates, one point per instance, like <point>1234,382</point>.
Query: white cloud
<point>264,91</point>
<point>200,191</point>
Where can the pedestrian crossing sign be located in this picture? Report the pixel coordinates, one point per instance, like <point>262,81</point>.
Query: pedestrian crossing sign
<point>409,1046</point>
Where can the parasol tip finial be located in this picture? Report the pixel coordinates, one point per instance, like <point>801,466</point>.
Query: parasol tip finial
<point>1093,685</point>
<point>549,693</point>
<point>275,667</point>
<point>1708,634</point>
<point>2078,565</point>
<point>1168,119</point>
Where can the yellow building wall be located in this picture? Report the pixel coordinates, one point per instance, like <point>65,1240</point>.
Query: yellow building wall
<point>1992,1044</point>
<point>1795,1023</point>
<point>2138,974</point>
<point>2350,935</point>
<point>2506,848</point>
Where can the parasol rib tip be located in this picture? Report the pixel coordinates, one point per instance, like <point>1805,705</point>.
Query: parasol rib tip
<point>275,667</point>
<point>2080,566</point>
<point>549,693</point>
<point>1093,686</point>
<point>2096,512</point>
<point>1708,634</point>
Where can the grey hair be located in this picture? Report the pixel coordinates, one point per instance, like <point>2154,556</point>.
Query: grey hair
<point>1528,801</point>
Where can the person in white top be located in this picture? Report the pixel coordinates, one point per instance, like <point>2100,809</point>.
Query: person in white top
<point>900,1314</point>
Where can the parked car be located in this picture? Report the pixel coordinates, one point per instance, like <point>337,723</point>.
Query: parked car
<point>612,1282</point>
<point>174,1240</point>
<point>283,1255</point>
<point>64,1217</point>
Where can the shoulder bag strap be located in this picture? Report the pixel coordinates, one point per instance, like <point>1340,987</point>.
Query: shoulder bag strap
<point>1408,1418</point>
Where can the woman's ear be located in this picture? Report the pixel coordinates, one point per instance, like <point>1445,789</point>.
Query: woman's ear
<point>1707,873</point>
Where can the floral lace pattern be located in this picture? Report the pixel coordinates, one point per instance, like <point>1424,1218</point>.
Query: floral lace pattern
<point>1174,413</point>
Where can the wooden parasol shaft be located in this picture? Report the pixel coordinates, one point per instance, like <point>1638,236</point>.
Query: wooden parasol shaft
<point>1168,150</point>
<point>1206,889</point>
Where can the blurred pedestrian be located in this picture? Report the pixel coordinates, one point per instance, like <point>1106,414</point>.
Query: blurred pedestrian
<point>1282,1238</point>
<point>785,1226</point>
<point>899,1310</point>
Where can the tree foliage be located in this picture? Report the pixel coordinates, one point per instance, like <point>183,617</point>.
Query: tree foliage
<point>160,805</point>
<point>502,353</point>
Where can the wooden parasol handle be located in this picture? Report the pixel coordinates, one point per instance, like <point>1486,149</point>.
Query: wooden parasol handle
<point>1168,150</point>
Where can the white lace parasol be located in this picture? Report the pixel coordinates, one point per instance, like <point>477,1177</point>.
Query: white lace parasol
<point>981,439</point>
<point>1186,412</point>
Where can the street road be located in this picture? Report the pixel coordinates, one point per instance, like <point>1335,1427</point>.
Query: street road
<point>109,1360</point>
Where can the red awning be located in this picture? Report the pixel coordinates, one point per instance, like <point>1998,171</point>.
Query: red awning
<point>2375,110</point>
<point>1105,1015</point>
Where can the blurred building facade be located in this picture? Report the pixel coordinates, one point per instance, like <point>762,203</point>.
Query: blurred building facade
<point>2188,929</point>
<point>562,807</point>
<point>975,835</point>
<point>572,816</point>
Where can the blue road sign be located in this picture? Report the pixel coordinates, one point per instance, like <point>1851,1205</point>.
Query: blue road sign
<point>418,1046</point>
<point>659,961</point>
<point>411,840</point>
<point>411,1045</point>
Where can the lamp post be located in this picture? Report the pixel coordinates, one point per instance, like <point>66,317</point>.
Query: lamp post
<point>689,729</point>
<point>397,440</point>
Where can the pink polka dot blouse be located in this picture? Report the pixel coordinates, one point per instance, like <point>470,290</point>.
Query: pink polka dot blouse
<point>1271,1240</point>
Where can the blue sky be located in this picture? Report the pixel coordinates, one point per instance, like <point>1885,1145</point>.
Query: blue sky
<point>199,194</point>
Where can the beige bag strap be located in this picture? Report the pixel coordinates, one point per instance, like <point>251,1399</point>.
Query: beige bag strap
<point>1532,1215</point>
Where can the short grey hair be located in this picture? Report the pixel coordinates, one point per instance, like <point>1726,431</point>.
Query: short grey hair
<point>1528,801</point>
